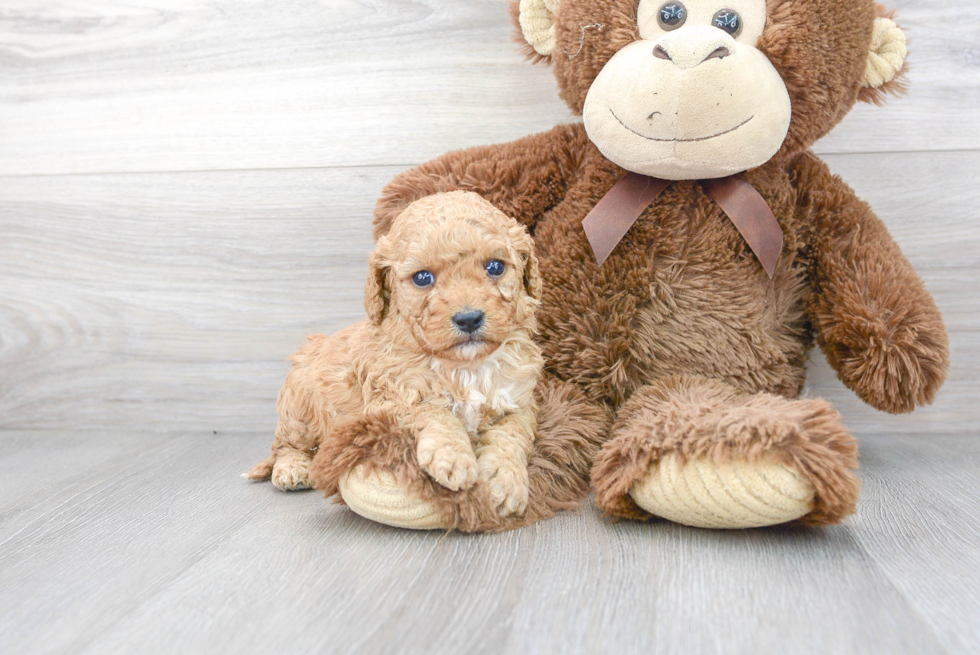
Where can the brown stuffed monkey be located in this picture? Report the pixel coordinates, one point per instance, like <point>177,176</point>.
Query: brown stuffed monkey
<point>691,249</point>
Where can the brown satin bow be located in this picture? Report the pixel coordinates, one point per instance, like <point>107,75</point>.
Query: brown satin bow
<point>612,217</point>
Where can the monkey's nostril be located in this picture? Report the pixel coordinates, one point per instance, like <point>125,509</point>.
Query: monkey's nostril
<point>660,53</point>
<point>468,321</point>
<point>720,53</point>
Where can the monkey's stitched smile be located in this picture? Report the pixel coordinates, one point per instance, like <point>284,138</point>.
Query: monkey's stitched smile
<point>700,138</point>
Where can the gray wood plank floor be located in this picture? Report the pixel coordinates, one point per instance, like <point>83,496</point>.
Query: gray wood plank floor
<point>143,543</point>
<point>185,192</point>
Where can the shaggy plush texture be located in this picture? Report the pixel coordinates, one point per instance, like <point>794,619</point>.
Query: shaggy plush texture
<point>568,436</point>
<point>683,298</point>
<point>874,319</point>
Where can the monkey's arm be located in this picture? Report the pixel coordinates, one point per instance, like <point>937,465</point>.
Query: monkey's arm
<point>875,321</point>
<point>523,178</point>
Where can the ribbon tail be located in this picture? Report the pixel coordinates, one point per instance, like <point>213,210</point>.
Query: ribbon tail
<point>614,215</point>
<point>750,213</point>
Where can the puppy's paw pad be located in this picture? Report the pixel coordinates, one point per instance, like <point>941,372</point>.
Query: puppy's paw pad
<point>508,486</point>
<point>292,475</point>
<point>453,468</point>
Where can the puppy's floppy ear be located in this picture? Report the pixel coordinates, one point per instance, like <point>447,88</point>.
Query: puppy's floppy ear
<point>525,249</point>
<point>376,291</point>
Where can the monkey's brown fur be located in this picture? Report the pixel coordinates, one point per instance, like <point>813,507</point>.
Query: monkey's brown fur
<point>680,334</point>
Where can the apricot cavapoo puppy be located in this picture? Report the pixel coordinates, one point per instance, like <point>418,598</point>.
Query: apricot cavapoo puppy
<point>447,349</point>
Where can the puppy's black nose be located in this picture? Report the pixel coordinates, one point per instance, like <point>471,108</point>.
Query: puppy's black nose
<point>469,321</point>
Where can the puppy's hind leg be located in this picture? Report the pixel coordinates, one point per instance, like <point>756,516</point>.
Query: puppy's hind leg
<point>296,442</point>
<point>291,471</point>
<point>288,467</point>
<point>297,439</point>
<point>262,470</point>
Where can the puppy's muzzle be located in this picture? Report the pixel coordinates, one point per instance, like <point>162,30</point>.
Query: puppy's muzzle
<point>469,321</point>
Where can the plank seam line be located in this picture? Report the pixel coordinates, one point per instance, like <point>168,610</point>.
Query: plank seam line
<point>403,165</point>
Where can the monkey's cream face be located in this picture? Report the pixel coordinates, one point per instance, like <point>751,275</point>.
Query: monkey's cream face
<point>693,98</point>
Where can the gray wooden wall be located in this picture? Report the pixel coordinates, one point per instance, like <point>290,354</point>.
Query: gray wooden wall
<point>186,188</point>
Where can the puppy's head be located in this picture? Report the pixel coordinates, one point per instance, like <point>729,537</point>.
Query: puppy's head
<point>453,278</point>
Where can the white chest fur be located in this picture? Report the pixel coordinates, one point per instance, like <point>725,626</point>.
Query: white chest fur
<point>474,392</point>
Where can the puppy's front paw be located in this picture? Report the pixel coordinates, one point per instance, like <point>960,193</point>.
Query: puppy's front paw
<point>451,464</point>
<point>507,482</point>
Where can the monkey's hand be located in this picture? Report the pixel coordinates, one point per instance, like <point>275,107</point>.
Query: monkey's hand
<point>875,320</point>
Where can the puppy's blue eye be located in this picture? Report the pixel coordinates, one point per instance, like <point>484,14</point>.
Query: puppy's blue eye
<point>423,278</point>
<point>495,268</point>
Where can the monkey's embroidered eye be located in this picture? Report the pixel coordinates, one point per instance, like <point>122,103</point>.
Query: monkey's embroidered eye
<point>495,268</point>
<point>423,279</point>
<point>728,20</point>
<point>672,15</point>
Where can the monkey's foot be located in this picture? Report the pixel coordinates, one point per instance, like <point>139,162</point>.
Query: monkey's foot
<point>732,494</point>
<point>378,496</point>
<point>698,452</point>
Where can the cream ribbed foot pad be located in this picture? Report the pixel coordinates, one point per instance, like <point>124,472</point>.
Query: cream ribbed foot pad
<point>735,494</point>
<point>378,497</point>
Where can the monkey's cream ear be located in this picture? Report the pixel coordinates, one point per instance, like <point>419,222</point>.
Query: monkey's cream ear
<point>537,22</point>
<point>887,55</point>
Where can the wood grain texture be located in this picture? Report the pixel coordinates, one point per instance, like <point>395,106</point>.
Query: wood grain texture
<point>173,85</point>
<point>130,542</point>
<point>154,299</point>
<point>171,301</point>
<point>185,192</point>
